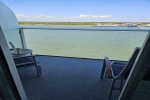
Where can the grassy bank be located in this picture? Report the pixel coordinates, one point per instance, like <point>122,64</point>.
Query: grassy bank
<point>65,23</point>
<point>75,23</point>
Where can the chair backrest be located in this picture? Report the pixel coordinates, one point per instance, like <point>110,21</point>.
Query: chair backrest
<point>126,70</point>
<point>13,47</point>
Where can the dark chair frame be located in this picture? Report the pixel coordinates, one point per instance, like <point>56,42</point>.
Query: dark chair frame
<point>33,62</point>
<point>28,63</point>
<point>108,71</point>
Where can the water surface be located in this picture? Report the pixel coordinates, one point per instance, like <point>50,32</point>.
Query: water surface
<point>118,45</point>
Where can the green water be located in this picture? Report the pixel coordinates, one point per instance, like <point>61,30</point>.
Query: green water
<point>118,45</point>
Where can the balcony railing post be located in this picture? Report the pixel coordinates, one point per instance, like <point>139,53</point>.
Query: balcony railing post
<point>21,32</point>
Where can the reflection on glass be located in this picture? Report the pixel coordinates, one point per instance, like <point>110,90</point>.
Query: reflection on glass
<point>5,88</point>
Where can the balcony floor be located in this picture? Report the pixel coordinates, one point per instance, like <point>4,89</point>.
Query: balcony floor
<point>66,79</point>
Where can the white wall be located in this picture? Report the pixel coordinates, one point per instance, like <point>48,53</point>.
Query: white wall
<point>9,24</point>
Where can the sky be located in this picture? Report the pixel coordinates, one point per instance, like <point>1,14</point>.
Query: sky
<point>80,10</point>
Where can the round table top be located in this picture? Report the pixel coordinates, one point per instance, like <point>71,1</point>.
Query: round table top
<point>21,51</point>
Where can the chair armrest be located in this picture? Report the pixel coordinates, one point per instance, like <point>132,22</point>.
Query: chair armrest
<point>108,68</point>
<point>33,56</point>
<point>118,62</point>
<point>23,56</point>
<point>24,64</point>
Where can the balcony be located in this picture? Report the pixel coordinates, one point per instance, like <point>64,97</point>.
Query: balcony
<point>73,75</point>
<point>71,60</point>
<point>69,75</point>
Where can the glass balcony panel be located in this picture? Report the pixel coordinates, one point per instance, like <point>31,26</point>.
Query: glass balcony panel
<point>117,45</point>
<point>13,36</point>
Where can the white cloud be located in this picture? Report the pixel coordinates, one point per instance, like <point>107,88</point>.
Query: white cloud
<point>33,16</point>
<point>42,16</point>
<point>65,17</point>
<point>28,16</point>
<point>121,18</point>
<point>20,15</point>
<point>78,18</point>
<point>39,16</point>
<point>50,17</point>
<point>94,16</point>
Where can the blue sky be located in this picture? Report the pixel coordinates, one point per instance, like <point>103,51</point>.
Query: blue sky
<point>81,10</point>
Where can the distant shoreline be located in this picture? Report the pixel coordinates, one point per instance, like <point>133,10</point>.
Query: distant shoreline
<point>83,23</point>
<point>57,23</point>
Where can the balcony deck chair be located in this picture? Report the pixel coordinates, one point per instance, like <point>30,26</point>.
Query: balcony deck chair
<point>26,61</point>
<point>118,70</point>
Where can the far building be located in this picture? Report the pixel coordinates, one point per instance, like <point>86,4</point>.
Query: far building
<point>128,24</point>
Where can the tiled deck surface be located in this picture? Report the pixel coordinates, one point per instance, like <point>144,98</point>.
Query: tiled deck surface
<point>66,79</point>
